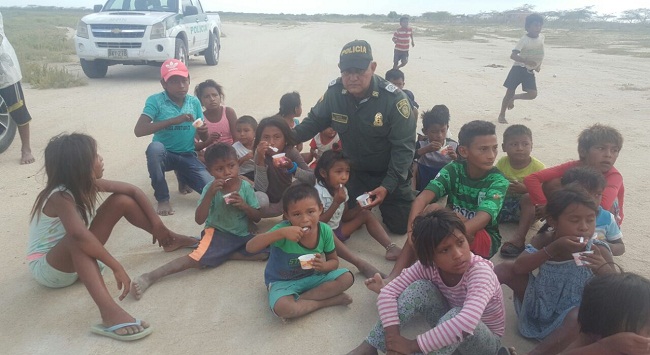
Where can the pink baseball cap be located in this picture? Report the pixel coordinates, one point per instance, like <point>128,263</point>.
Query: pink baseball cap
<point>173,67</point>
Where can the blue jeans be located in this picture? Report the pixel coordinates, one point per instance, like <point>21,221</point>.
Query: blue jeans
<point>189,168</point>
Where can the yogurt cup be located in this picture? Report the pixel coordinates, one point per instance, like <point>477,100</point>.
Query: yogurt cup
<point>580,262</point>
<point>363,200</point>
<point>227,199</point>
<point>197,123</point>
<point>306,261</point>
<point>444,150</point>
<point>279,159</point>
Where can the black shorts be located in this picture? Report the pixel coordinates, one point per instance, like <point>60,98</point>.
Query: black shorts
<point>520,75</point>
<point>400,55</point>
<point>13,96</point>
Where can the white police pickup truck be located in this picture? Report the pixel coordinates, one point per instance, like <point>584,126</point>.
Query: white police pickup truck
<point>138,32</point>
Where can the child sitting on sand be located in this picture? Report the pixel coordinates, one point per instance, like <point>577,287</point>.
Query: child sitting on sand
<point>296,290</point>
<point>68,230</point>
<point>226,206</point>
<point>516,165</point>
<point>435,149</point>
<point>324,141</point>
<point>291,110</point>
<point>455,290</point>
<point>246,126</point>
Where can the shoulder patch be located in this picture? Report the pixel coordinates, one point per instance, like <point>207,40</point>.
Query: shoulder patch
<point>391,88</point>
<point>404,108</point>
<point>334,82</point>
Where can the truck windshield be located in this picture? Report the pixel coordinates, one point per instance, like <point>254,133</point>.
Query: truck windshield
<point>142,5</point>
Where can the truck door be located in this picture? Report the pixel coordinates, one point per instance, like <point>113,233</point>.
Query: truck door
<point>204,23</point>
<point>190,22</point>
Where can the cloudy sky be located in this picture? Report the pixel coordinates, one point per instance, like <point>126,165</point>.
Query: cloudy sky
<point>412,7</point>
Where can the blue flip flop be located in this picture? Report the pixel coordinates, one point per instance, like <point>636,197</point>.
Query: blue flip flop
<point>100,329</point>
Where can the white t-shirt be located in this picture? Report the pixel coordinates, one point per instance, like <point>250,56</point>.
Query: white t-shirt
<point>248,165</point>
<point>530,49</point>
<point>326,199</point>
<point>9,67</point>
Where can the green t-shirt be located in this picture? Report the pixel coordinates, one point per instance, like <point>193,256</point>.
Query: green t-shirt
<point>469,196</point>
<point>227,218</point>
<point>283,263</point>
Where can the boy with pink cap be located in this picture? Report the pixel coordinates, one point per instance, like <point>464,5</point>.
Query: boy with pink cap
<point>169,115</point>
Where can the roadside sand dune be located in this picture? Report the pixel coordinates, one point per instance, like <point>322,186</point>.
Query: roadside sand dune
<point>225,310</point>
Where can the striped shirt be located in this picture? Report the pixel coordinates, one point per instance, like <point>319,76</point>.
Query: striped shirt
<point>478,294</point>
<point>402,38</point>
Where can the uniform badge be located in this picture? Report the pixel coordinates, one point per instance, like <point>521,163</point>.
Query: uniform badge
<point>337,117</point>
<point>391,88</point>
<point>332,82</point>
<point>375,94</point>
<point>379,120</point>
<point>404,108</point>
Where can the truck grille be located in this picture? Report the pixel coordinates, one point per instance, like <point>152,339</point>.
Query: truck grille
<point>118,31</point>
<point>118,44</point>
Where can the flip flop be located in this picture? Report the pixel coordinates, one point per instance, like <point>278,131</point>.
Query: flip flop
<point>100,329</point>
<point>504,351</point>
<point>509,250</point>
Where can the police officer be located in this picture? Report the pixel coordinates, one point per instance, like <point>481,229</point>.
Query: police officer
<point>376,125</point>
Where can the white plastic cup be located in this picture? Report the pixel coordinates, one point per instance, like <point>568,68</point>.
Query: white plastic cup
<point>307,261</point>
<point>279,159</point>
<point>197,123</point>
<point>578,261</point>
<point>227,199</point>
<point>364,200</point>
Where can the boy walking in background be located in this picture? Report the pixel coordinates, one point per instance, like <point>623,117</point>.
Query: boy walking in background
<point>528,55</point>
<point>516,165</point>
<point>169,116</point>
<point>401,38</point>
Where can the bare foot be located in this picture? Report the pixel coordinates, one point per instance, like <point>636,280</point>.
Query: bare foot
<point>165,208</point>
<point>179,241</point>
<point>27,157</point>
<point>183,189</point>
<point>393,252</point>
<point>502,119</point>
<point>375,283</point>
<point>256,257</point>
<point>511,104</point>
<point>506,351</point>
<point>139,285</point>
<point>367,269</point>
<point>341,300</point>
<point>364,349</point>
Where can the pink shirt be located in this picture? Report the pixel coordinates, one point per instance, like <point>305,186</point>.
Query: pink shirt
<point>615,190</point>
<point>222,127</point>
<point>402,38</point>
<point>478,293</point>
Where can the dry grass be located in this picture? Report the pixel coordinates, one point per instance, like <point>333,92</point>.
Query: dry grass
<point>632,87</point>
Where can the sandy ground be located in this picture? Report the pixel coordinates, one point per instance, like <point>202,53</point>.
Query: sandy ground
<point>225,310</point>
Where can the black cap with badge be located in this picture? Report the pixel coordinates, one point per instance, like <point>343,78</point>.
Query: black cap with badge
<point>355,55</point>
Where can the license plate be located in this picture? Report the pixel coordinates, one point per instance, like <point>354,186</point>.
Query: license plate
<point>117,53</point>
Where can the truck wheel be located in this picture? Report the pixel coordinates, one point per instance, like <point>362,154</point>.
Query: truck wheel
<point>212,53</point>
<point>7,127</point>
<point>181,52</point>
<point>94,69</point>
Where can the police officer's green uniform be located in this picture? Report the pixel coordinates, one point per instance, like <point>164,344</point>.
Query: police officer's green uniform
<point>378,135</point>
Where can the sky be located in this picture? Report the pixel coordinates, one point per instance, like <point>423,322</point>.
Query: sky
<point>410,7</point>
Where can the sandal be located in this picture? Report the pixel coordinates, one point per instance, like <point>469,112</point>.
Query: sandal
<point>509,250</point>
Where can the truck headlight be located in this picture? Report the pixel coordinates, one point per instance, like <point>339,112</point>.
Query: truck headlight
<point>158,30</point>
<point>82,29</point>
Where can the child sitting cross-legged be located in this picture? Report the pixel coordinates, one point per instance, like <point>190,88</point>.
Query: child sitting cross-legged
<point>226,206</point>
<point>517,206</point>
<point>456,291</point>
<point>298,287</point>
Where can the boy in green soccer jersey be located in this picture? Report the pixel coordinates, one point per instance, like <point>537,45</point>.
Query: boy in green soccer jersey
<point>475,190</point>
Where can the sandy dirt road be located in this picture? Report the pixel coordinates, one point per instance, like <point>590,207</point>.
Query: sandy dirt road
<point>225,310</point>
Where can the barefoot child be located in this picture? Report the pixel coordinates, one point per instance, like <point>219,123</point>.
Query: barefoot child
<point>435,150</point>
<point>294,290</point>
<point>274,176</point>
<point>455,290</point>
<point>226,206</point>
<point>614,316</point>
<point>245,127</point>
<point>68,232</point>
<point>528,55</point>
<point>516,165</point>
<point>332,173</point>
<point>546,302</point>
<point>169,116</point>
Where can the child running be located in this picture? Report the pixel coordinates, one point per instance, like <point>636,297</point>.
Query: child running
<point>516,165</point>
<point>332,173</point>
<point>528,55</point>
<point>456,291</point>
<point>294,290</point>
<point>246,126</point>
<point>68,231</point>
<point>226,206</point>
<point>274,175</point>
<point>614,316</point>
<point>598,147</point>
<point>291,110</point>
<point>546,303</point>
<point>435,150</point>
